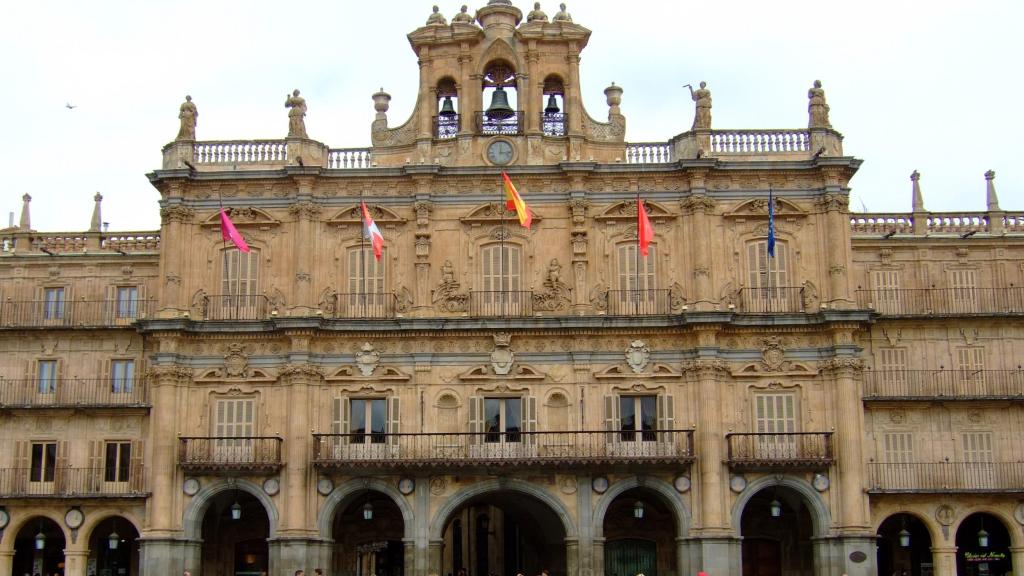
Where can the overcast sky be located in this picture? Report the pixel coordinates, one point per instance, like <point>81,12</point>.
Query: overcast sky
<point>928,85</point>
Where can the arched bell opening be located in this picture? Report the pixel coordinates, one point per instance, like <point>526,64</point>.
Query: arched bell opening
<point>446,118</point>
<point>553,118</point>
<point>502,116</point>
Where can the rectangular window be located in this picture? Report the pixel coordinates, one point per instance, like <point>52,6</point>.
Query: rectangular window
<point>127,302</point>
<point>366,288</point>
<point>369,422</point>
<point>892,364</point>
<point>46,377</point>
<point>977,447</point>
<point>53,303</point>
<point>899,447</point>
<point>963,291</point>
<point>122,376</point>
<point>970,371</point>
<point>638,414</point>
<point>500,282</point>
<point>240,285</point>
<point>887,295</point>
<point>768,286</point>
<point>234,418</point>
<point>502,419</point>
<point>635,282</point>
<point>44,462</point>
<point>775,420</point>
<point>118,459</point>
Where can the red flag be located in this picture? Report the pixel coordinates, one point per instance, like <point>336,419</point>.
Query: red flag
<point>229,232</point>
<point>371,230</point>
<point>644,230</point>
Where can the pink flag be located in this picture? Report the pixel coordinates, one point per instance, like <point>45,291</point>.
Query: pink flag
<point>229,232</point>
<point>376,238</point>
<point>644,230</point>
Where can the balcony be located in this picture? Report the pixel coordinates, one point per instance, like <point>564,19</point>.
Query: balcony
<point>554,124</point>
<point>760,451</point>
<point>503,303</point>
<point>127,482</point>
<point>943,301</point>
<point>446,126</point>
<point>776,300</point>
<point>511,126</point>
<point>232,307</point>
<point>946,477</point>
<point>351,305</point>
<point>74,393</point>
<point>639,302</point>
<point>943,385</point>
<point>511,449</point>
<point>227,454</point>
<point>73,313</point>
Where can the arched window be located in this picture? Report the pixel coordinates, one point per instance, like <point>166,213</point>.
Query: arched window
<point>636,282</point>
<point>446,122</point>
<point>500,282</point>
<point>553,118</point>
<point>499,88</point>
<point>366,291</point>
<point>768,281</point>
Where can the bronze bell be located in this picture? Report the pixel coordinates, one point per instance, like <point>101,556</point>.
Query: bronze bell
<point>499,108</point>
<point>447,109</point>
<point>552,107</point>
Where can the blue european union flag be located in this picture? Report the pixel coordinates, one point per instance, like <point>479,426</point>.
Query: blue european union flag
<point>771,224</point>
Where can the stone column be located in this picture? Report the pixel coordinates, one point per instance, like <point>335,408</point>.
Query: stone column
<point>175,218</point>
<point>1017,553</point>
<point>435,550</point>
<point>75,560</point>
<point>849,434</point>
<point>7,561</point>
<point>572,102</point>
<point>585,525</point>
<point>572,557</point>
<point>597,556</point>
<point>837,221</point>
<point>944,560</point>
<point>170,556</point>
<point>163,520</point>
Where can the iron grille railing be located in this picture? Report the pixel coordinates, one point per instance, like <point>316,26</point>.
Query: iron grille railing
<point>446,126</point>
<point>944,477</point>
<point>501,303</point>
<point>217,453</point>
<point>943,384</point>
<point>554,124</point>
<point>64,482</point>
<point>510,126</point>
<point>784,450</point>
<point>73,313</point>
<point>234,307</point>
<point>365,305</point>
<point>943,301</point>
<point>73,392</point>
<point>638,302</point>
<point>779,299</point>
<point>459,449</point>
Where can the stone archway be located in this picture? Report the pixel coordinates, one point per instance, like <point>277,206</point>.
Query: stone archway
<point>781,523</point>
<point>234,522</point>
<point>192,519</point>
<point>983,543</point>
<point>120,559</point>
<point>39,547</point>
<point>904,545</point>
<point>370,526</point>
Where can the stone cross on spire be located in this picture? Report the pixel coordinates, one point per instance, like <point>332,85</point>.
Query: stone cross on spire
<point>991,200</point>
<point>97,219</point>
<point>26,218</point>
<point>918,199</point>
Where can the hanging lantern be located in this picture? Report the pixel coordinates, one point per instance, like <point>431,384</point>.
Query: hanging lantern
<point>776,508</point>
<point>236,511</point>
<point>983,538</point>
<point>367,511</point>
<point>638,510</point>
<point>40,540</point>
<point>904,538</point>
<point>113,540</point>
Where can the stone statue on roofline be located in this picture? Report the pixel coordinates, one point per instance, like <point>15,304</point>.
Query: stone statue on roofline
<point>296,115</point>
<point>436,19</point>
<point>187,114</point>
<point>702,114</point>
<point>463,16</point>
<point>536,15</point>
<point>562,15</point>
<point>817,109</point>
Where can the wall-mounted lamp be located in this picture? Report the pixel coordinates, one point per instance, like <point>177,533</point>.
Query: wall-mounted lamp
<point>638,510</point>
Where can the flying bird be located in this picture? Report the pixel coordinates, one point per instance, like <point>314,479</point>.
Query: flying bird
<point>70,106</point>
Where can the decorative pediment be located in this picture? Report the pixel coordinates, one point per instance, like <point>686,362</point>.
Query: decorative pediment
<point>349,372</point>
<point>244,217</point>
<point>626,211</point>
<point>640,387</point>
<point>494,213</point>
<point>352,216</point>
<point>758,208</point>
<point>486,372</point>
<point>622,372</point>
<point>787,369</point>
<point>218,375</point>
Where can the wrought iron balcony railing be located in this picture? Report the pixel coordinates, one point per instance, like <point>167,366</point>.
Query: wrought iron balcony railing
<point>946,477</point>
<point>780,299</point>
<point>366,305</point>
<point>786,450</point>
<point>233,307</point>
<point>64,482</point>
<point>639,302</point>
<point>943,301</point>
<point>73,313</point>
<point>74,393</point>
<point>446,126</point>
<point>554,124</point>
<point>501,303</point>
<point>215,454</point>
<point>510,126</point>
<point>540,449</point>
<point>943,384</point>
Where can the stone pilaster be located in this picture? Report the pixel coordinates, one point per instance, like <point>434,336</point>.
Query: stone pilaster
<point>163,480</point>
<point>701,207</point>
<point>849,436</point>
<point>176,219</point>
<point>835,205</point>
<point>306,214</point>
<point>75,560</point>
<point>944,560</point>
<point>709,438</point>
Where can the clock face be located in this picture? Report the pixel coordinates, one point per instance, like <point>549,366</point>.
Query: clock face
<point>4,518</point>
<point>500,152</point>
<point>74,518</point>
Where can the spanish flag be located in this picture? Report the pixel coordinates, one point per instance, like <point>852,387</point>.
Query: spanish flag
<point>514,202</point>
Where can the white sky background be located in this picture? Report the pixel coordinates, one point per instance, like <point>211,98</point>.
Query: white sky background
<point>929,85</point>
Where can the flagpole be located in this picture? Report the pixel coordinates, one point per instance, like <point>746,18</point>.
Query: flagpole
<point>501,250</point>
<point>224,249</point>
<point>362,253</point>
<point>769,248</point>
<point>636,296</point>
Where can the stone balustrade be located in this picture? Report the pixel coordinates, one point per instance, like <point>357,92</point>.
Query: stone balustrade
<point>957,223</point>
<point>342,158</point>
<point>773,141</point>
<point>879,224</point>
<point>78,242</point>
<point>648,152</point>
<point>928,223</point>
<point>240,152</point>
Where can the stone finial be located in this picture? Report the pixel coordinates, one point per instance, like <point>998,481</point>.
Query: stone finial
<point>188,114</point>
<point>817,108</point>
<point>381,103</point>
<point>97,218</point>
<point>463,17</point>
<point>918,199</point>
<point>991,200</point>
<point>613,96</point>
<point>536,15</point>
<point>561,15</point>
<point>436,18</point>
<point>26,218</point>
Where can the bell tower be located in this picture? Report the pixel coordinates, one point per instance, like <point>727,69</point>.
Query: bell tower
<point>495,90</point>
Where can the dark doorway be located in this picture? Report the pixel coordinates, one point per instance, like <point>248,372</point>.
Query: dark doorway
<point>39,548</point>
<point>114,548</point>
<point>983,546</point>
<point>630,556</point>
<point>777,534</point>
<point>904,546</point>
<point>235,532</point>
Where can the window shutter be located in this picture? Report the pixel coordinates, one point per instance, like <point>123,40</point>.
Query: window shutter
<point>530,420</point>
<point>611,415</point>
<point>137,474</point>
<point>60,475</point>
<point>394,418</point>
<point>666,416</point>
<point>96,463</point>
<point>22,450</point>
<point>476,416</point>
<point>339,416</point>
